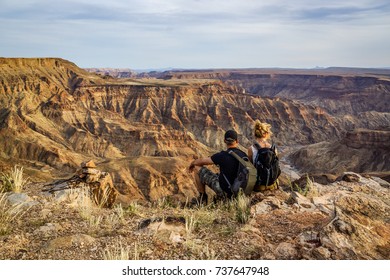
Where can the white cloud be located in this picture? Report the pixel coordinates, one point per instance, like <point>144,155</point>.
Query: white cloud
<point>199,33</point>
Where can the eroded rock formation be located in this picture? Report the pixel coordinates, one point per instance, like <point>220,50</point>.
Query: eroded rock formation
<point>362,151</point>
<point>55,115</point>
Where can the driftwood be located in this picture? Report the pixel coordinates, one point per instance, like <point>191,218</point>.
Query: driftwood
<point>99,184</point>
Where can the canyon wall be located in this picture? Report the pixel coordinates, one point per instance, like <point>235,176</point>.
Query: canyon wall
<point>55,115</point>
<point>358,98</point>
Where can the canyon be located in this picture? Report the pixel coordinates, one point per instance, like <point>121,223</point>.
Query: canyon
<point>68,126</point>
<point>145,131</point>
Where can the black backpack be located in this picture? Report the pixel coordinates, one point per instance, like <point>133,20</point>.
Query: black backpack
<point>267,165</point>
<point>246,176</point>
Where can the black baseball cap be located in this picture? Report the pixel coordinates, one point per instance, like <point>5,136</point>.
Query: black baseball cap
<point>230,136</point>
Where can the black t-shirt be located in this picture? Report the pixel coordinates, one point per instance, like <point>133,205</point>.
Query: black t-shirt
<point>228,166</point>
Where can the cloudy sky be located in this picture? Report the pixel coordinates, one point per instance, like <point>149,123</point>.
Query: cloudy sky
<point>143,34</point>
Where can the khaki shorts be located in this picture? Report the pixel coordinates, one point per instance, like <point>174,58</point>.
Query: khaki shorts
<point>209,178</point>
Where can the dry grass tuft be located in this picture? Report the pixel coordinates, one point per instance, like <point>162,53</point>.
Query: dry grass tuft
<point>119,252</point>
<point>241,207</point>
<point>13,181</point>
<point>8,214</point>
<point>191,223</point>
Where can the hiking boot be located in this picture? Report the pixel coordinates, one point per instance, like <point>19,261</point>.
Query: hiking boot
<point>198,201</point>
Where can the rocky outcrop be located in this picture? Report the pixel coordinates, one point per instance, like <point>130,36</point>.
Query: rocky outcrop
<point>360,151</point>
<point>339,91</point>
<point>344,222</point>
<point>371,139</point>
<point>113,72</point>
<point>347,219</point>
<point>338,94</point>
<point>97,184</point>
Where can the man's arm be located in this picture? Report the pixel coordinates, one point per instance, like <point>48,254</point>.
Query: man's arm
<point>200,162</point>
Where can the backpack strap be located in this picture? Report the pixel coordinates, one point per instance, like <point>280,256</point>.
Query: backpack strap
<point>227,180</point>
<point>237,157</point>
<point>259,148</point>
<point>273,147</point>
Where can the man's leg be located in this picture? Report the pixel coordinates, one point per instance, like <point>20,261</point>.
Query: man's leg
<point>198,182</point>
<point>205,177</point>
<point>210,179</point>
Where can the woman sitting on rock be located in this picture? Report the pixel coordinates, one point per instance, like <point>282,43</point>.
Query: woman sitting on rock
<point>263,155</point>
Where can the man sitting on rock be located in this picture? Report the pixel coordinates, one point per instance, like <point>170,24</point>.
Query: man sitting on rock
<point>228,167</point>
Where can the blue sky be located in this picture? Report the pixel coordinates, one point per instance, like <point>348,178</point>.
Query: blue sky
<point>142,34</point>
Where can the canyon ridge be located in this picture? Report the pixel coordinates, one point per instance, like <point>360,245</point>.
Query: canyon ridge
<point>64,124</point>
<point>145,131</point>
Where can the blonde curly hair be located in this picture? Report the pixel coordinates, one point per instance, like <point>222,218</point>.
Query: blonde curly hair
<point>262,130</point>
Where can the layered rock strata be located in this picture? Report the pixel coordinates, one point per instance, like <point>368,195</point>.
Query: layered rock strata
<point>55,115</point>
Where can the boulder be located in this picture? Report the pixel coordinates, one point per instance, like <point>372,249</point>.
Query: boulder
<point>67,242</point>
<point>100,185</point>
<point>21,199</point>
<point>286,251</point>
